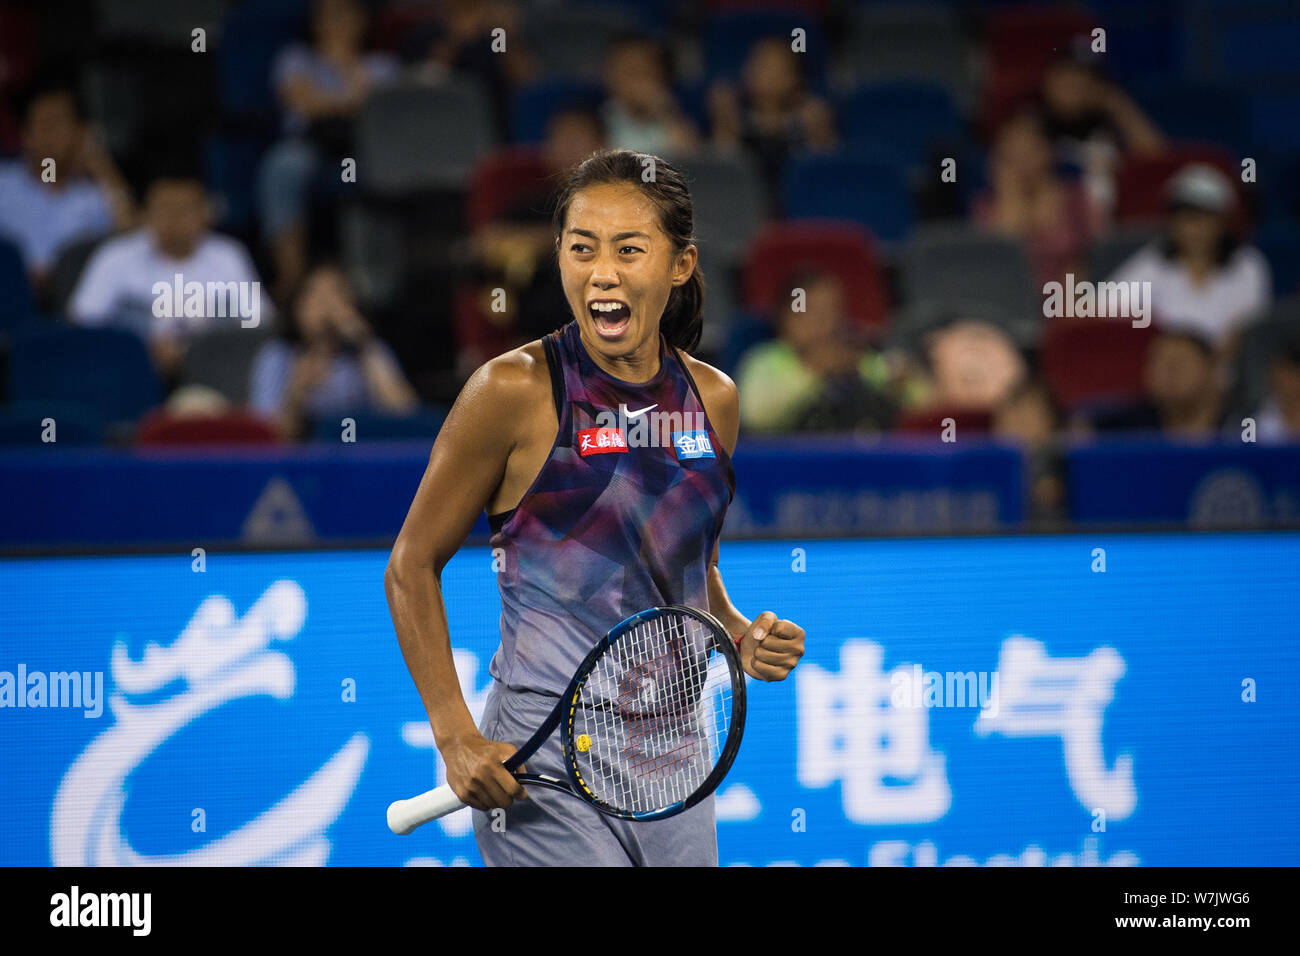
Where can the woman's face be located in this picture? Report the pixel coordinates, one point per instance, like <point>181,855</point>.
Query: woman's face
<point>1022,147</point>
<point>1195,231</point>
<point>613,253</point>
<point>338,21</point>
<point>770,70</point>
<point>822,318</point>
<point>324,293</point>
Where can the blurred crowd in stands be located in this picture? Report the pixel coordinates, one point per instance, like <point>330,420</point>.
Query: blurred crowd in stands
<point>883,191</point>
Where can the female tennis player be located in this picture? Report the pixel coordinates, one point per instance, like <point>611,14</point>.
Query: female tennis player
<point>587,526</point>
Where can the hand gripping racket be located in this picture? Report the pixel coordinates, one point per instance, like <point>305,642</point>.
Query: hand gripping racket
<point>650,723</point>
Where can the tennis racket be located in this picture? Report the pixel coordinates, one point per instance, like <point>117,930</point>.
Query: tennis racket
<point>650,723</point>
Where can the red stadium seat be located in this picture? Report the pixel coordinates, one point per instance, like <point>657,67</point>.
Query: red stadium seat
<point>500,179</point>
<point>228,428</point>
<point>929,421</point>
<point>1090,360</point>
<point>397,22</point>
<point>1140,181</point>
<point>1032,35</point>
<point>847,250</point>
<point>1021,41</point>
<point>477,336</point>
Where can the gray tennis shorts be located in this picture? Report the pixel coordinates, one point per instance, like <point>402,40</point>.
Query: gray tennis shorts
<point>555,829</point>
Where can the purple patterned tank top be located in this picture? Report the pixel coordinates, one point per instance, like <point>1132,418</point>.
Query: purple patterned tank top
<point>622,516</point>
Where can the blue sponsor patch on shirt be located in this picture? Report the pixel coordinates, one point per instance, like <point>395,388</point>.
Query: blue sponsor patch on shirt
<point>692,444</point>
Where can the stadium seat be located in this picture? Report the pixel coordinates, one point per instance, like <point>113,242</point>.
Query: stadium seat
<point>227,428</point>
<point>1194,111</point>
<point>222,359</point>
<point>1085,361</point>
<point>907,118</point>
<point>1280,245</point>
<point>376,426</point>
<point>533,105</point>
<point>162,23</point>
<point>1140,180</point>
<point>958,264</point>
<point>1021,40</point>
<point>374,251</point>
<point>1031,35</point>
<point>501,178</point>
<point>230,164</point>
<point>746,329</point>
<point>914,41</point>
<point>782,249</point>
<point>573,39</point>
<point>67,269</point>
<point>16,304</point>
<point>1109,252</point>
<point>930,421</point>
<point>730,35</point>
<point>250,39</point>
<point>413,138</point>
<point>407,28</point>
<point>75,423</point>
<point>108,369</point>
<point>1271,119</point>
<point>1257,47</point>
<point>862,189</point>
<point>1145,39</point>
<point>1258,345</point>
<point>727,193</point>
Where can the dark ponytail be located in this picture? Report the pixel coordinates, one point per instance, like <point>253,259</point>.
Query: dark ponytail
<point>664,185</point>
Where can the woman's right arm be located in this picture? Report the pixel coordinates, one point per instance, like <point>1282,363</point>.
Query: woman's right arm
<point>465,468</point>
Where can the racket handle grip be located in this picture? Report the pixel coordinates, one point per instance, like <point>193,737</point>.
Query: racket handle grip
<point>405,815</point>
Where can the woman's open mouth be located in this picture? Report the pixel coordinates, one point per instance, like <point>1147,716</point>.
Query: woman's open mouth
<point>610,317</point>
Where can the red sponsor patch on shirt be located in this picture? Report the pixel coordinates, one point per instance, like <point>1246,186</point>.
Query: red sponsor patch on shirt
<point>599,441</point>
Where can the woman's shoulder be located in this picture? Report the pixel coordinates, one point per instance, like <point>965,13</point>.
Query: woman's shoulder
<point>517,376</point>
<point>707,378</point>
<point>719,394</point>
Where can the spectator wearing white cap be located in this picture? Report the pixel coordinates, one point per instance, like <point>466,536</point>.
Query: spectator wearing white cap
<point>1203,279</point>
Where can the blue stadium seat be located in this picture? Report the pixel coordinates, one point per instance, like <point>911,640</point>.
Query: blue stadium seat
<point>1145,39</point>
<point>376,426</point>
<point>16,305</point>
<point>108,369</point>
<point>75,423</point>
<point>534,104</point>
<point>1261,50</point>
<point>250,39</point>
<point>1272,119</point>
<point>746,329</point>
<point>1194,111</point>
<point>903,117</point>
<point>230,162</point>
<point>729,36</point>
<point>859,188</point>
<point>1280,244</point>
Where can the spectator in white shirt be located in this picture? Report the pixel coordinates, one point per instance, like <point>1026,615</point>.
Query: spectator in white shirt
<point>64,186</point>
<point>131,280</point>
<point>1203,280</point>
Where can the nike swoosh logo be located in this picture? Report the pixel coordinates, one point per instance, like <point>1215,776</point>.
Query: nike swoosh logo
<point>639,411</point>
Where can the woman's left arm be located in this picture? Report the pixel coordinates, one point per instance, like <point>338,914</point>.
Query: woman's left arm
<point>770,646</point>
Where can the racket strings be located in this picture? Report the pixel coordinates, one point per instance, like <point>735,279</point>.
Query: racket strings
<point>654,714</point>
